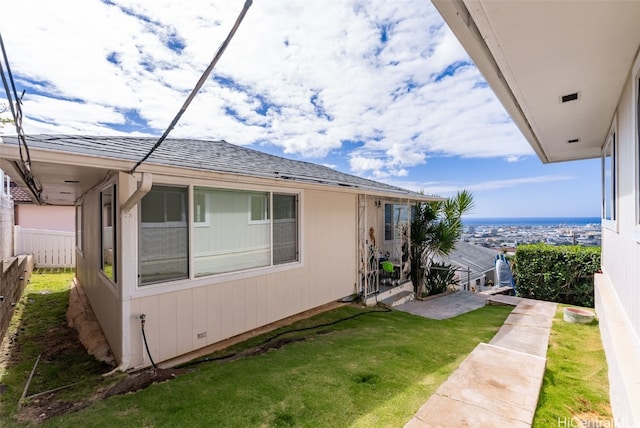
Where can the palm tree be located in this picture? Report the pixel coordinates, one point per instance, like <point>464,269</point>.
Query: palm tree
<point>436,226</point>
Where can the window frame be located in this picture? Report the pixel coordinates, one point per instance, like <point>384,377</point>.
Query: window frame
<point>114,224</point>
<point>204,222</point>
<point>635,75</point>
<point>266,197</point>
<point>396,235</point>
<point>610,186</point>
<point>185,222</point>
<point>194,280</point>
<point>79,226</point>
<point>296,210</point>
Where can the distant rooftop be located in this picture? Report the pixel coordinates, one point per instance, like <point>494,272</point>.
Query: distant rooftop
<point>18,194</point>
<point>478,259</point>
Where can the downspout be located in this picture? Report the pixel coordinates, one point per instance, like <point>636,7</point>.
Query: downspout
<point>143,187</point>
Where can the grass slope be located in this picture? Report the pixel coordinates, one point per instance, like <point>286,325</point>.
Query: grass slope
<point>39,328</point>
<point>373,370</point>
<point>575,390</point>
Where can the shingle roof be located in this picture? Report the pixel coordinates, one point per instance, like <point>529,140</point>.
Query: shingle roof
<point>476,258</point>
<point>218,156</point>
<point>18,194</point>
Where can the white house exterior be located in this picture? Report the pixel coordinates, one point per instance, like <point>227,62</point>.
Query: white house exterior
<point>568,73</point>
<point>206,239</point>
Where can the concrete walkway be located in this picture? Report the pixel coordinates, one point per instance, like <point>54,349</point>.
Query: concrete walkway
<point>444,307</point>
<point>498,384</point>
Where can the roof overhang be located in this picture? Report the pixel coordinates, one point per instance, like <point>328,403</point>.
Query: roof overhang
<point>66,176</point>
<point>534,53</point>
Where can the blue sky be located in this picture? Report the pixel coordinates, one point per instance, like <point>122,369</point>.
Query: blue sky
<point>380,89</point>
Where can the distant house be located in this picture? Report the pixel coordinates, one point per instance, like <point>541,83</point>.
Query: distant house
<point>207,239</point>
<point>475,265</point>
<point>29,215</point>
<point>568,73</point>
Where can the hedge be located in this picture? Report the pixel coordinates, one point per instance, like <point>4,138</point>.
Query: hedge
<point>562,274</point>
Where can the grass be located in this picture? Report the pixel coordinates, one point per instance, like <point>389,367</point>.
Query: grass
<point>575,385</point>
<point>375,369</point>
<point>365,369</point>
<point>39,328</point>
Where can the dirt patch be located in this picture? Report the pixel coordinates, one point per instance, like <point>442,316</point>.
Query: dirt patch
<point>45,406</point>
<point>141,380</point>
<point>275,343</point>
<point>59,341</point>
<point>42,408</point>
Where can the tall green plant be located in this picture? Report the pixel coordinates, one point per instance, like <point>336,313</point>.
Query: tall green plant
<point>436,226</point>
<point>438,278</point>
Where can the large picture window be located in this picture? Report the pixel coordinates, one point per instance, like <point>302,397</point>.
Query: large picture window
<point>164,235</point>
<point>108,256</point>
<point>609,184</point>
<point>242,232</point>
<point>237,236</point>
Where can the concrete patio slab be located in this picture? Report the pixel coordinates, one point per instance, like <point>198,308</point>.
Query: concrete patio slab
<point>444,307</point>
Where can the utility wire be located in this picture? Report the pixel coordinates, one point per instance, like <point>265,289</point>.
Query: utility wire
<point>282,333</point>
<point>203,78</point>
<point>15,103</point>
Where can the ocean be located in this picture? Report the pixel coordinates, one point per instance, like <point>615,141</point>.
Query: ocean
<point>531,221</point>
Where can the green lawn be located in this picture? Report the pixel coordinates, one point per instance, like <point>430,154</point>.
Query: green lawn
<point>372,370</point>
<point>576,386</point>
<point>358,368</point>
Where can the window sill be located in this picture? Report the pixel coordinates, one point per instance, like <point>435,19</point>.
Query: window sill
<point>611,225</point>
<point>186,284</point>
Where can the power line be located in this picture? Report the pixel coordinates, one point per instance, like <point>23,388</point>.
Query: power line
<point>15,103</point>
<point>195,90</point>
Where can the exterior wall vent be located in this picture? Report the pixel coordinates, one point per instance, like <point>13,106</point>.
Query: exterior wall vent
<point>569,97</point>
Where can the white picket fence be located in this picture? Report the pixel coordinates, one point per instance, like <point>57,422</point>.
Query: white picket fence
<point>50,248</point>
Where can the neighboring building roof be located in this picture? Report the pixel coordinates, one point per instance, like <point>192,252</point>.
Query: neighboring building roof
<point>215,156</point>
<point>18,194</point>
<point>476,258</point>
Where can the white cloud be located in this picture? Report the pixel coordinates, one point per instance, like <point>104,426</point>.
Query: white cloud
<point>450,188</point>
<point>303,76</point>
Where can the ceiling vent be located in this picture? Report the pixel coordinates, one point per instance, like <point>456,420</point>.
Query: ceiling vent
<point>569,97</point>
<point>574,140</point>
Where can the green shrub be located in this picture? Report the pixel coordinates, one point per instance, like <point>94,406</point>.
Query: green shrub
<point>438,278</point>
<point>562,274</point>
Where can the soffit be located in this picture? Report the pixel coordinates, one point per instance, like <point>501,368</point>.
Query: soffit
<point>549,49</point>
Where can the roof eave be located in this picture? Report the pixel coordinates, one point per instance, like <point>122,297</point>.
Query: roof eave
<point>460,21</point>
